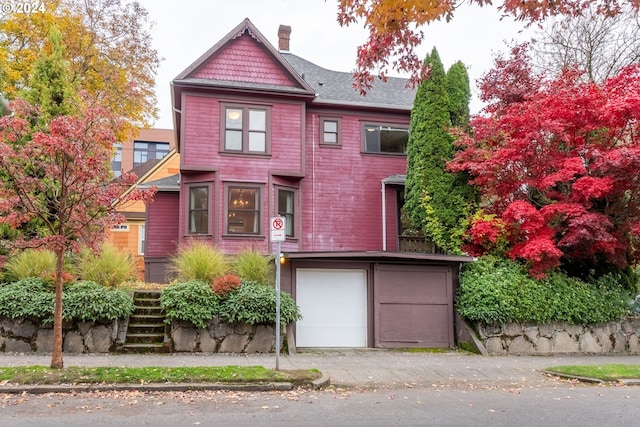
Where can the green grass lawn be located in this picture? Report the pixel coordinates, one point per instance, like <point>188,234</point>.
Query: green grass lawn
<point>117,375</point>
<point>613,372</point>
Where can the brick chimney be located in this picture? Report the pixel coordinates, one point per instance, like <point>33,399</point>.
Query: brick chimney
<point>284,31</point>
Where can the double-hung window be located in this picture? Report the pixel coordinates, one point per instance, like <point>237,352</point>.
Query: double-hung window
<point>246,129</point>
<point>243,206</point>
<point>286,209</point>
<point>386,139</point>
<point>199,209</point>
<point>330,130</point>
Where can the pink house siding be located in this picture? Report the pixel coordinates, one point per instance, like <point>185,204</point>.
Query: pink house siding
<point>201,140</point>
<point>201,132</point>
<point>343,200</point>
<point>162,225</point>
<point>245,61</point>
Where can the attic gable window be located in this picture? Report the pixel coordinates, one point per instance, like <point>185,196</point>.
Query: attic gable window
<point>385,139</point>
<point>246,129</point>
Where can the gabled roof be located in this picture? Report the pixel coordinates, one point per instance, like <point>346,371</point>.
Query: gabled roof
<point>190,78</point>
<point>245,27</point>
<point>148,169</point>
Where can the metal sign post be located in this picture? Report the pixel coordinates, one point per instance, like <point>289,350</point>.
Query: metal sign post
<point>278,234</point>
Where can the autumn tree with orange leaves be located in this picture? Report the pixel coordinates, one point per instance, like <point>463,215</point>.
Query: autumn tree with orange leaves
<point>394,28</point>
<point>108,48</point>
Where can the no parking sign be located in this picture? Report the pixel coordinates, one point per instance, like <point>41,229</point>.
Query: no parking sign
<point>278,233</point>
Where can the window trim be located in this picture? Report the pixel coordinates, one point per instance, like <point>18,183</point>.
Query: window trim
<point>246,109</point>
<point>381,126</point>
<point>295,213</point>
<point>228,187</point>
<point>142,241</point>
<point>210,200</point>
<point>338,122</point>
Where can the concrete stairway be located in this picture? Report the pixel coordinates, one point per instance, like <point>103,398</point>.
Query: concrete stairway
<point>146,328</point>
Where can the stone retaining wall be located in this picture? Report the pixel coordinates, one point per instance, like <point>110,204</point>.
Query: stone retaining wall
<point>27,336</point>
<point>561,338</point>
<point>220,337</point>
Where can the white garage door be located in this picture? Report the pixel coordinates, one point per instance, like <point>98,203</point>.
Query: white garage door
<point>333,304</point>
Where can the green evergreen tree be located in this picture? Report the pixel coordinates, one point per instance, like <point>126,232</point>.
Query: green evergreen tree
<point>50,85</point>
<point>459,93</point>
<point>437,201</point>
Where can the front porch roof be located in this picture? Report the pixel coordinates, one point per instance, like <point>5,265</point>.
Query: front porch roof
<point>395,179</point>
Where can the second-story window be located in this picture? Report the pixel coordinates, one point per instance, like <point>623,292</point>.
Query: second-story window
<point>246,129</point>
<point>385,139</point>
<point>330,129</point>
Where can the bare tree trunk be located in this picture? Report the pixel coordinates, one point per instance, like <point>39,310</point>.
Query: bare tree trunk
<point>56,352</point>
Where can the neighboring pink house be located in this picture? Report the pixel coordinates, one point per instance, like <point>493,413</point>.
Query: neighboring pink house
<point>263,132</point>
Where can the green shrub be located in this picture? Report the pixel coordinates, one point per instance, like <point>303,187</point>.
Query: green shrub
<point>255,303</point>
<point>495,290</point>
<point>198,261</point>
<point>88,300</point>
<point>192,301</point>
<point>30,263</point>
<point>109,267</point>
<point>84,301</point>
<point>29,298</point>
<point>253,266</point>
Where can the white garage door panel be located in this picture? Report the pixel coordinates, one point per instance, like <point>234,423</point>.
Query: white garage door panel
<point>333,304</point>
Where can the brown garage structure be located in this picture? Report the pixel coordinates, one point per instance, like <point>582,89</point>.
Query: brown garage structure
<point>373,299</point>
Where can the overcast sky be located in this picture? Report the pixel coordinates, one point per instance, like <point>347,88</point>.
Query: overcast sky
<point>185,30</point>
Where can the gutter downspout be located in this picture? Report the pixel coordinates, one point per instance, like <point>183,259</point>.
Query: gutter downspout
<point>384,217</point>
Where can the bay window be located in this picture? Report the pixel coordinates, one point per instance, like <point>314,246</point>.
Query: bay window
<point>243,210</point>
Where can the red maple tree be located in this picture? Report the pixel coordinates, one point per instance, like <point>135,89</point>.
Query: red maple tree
<point>60,177</point>
<point>558,168</point>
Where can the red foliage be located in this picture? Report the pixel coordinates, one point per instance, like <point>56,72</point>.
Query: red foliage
<point>61,176</point>
<point>559,166</point>
<point>225,284</point>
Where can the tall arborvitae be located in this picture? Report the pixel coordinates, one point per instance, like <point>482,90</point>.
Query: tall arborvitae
<point>437,201</point>
<point>50,85</point>
<point>459,93</point>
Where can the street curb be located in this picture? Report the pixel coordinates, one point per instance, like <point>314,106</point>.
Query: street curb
<point>68,388</point>
<point>321,382</point>
<point>573,377</point>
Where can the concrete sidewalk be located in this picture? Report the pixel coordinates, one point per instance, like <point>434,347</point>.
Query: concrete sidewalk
<point>358,367</point>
